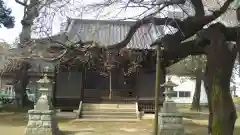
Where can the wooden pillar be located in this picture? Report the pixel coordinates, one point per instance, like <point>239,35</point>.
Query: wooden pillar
<point>54,90</point>
<point>84,79</point>
<point>162,81</point>
<point>157,86</point>
<point>135,82</point>
<point>110,85</point>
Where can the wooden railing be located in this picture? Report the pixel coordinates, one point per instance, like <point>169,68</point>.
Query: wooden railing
<point>138,113</point>
<point>147,107</point>
<point>147,104</point>
<point>79,110</point>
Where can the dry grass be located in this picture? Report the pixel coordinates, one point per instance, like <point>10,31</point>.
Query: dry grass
<point>14,124</point>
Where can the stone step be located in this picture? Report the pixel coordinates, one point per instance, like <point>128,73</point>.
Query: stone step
<point>109,105</point>
<point>109,109</point>
<point>108,113</point>
<point>102,116</point>
<point>105,120</point>
<point>66,115</point>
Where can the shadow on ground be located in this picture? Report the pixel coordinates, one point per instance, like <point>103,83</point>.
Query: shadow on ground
<point>195,115</point>
<point>13,119</point>
<point>197,129</point>
<point>18,121</point>
<point>68,132</point>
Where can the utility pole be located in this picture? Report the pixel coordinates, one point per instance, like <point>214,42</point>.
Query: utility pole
<point>157,80</point>
<point>157,86</point>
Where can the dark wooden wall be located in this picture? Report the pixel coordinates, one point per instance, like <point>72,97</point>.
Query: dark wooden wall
<point>98,86</point>
<point>90,86</point>
<point>68,89</point>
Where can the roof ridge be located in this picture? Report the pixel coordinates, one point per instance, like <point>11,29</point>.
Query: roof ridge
<point>117,21</point>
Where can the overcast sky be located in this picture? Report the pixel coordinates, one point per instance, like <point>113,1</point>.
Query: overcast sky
<point>9,35</point>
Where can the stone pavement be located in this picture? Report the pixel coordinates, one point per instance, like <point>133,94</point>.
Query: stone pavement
<point>93,131</point>
<point>113,133</point>
<point>73,130</point>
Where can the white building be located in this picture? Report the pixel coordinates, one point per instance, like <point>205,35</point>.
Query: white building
<point>185,90</point>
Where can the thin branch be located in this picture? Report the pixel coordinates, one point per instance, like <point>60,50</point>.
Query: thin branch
<point>192,25</point>
<point>21,3</point>
<point>183,50</point>
<point>198,7</point>
<point>187,27</point>
<point>157,21</point>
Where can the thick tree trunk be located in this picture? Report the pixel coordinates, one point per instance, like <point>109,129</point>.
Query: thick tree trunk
<point>31,11</point>
<point>209,103</point>
<point>20,83</point>
<point>220,62</point>
<point>217,81</point>
<point>196,98</point>
<point>21,79</point>
<point>221,107</point>
<point>25,35</point>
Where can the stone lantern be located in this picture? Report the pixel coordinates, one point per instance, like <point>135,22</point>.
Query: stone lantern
<point>170,120</point>
<point>44,87</point>
<point>169,105</point>
<point>42,119</point>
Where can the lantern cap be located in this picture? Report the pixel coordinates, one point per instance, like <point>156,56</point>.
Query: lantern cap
<point>169,84</point>
<point>44,79</point>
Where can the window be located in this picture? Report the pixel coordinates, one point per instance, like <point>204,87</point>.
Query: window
<point>184,94</point>
<point>9,90</point>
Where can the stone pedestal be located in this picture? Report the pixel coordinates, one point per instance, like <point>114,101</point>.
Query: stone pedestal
<point>42,120</point>
<point>171,124</point>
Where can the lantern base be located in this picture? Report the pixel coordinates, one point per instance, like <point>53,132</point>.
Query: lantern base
<point>42,120</point>
<point>171,124</point>
<point>169,107</point>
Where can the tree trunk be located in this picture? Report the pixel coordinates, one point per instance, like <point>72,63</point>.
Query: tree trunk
<point>209,103</point>
<point>196,98</point>
<point>217,82</point>
<point>21,79</point>
<point>220,62</point>
<point>31,11</point>
<point>20,83</point>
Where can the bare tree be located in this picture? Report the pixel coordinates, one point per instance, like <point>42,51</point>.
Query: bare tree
<point>38,18</point>
<point>177,45</point>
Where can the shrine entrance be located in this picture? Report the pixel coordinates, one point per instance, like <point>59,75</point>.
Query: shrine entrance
<point>107,88</point>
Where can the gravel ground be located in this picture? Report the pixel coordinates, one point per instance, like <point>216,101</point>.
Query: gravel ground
<point>14,124</point>
<point>237,105</point>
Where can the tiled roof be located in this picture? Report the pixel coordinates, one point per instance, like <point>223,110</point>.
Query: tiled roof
<point>108,32</point>
<point>229,18</point>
